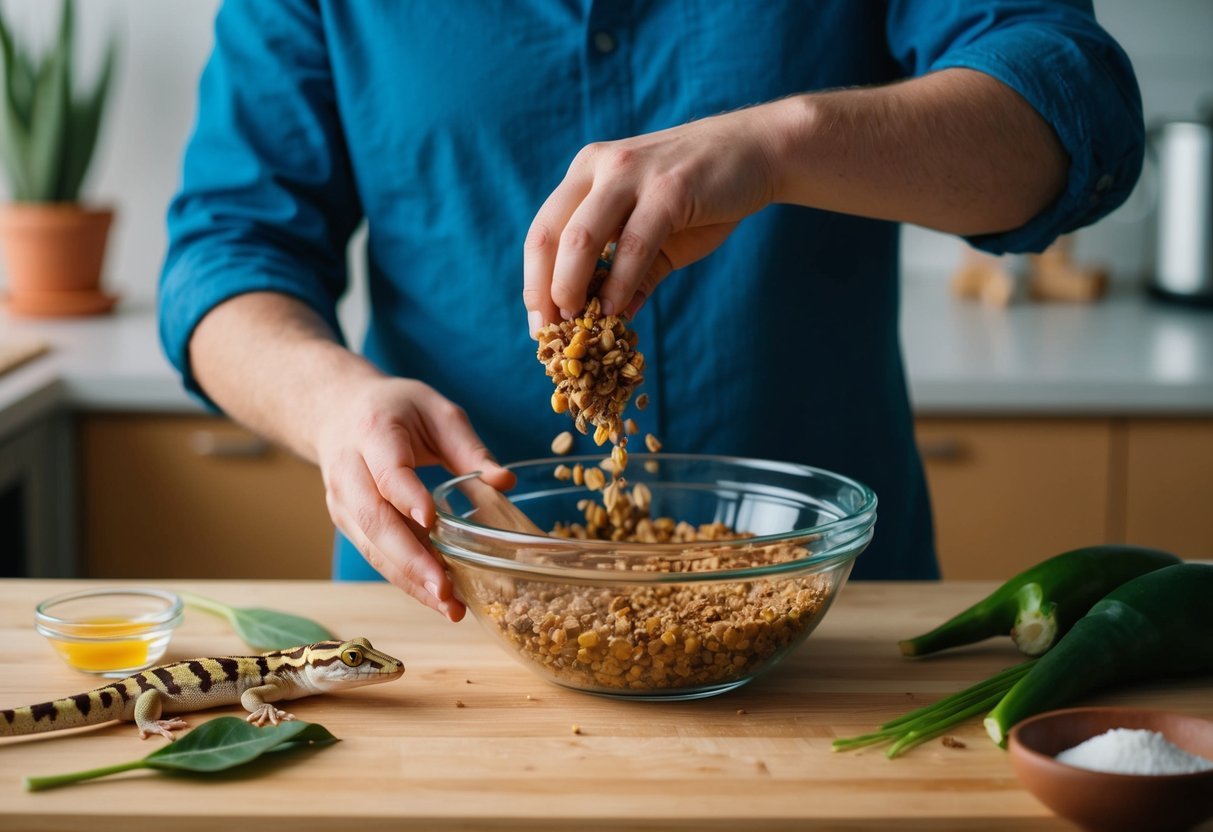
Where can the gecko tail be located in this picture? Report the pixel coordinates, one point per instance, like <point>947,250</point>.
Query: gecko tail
<point>94,707</point>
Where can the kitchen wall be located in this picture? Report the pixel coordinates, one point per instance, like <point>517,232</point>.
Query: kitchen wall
<point>165,43</point>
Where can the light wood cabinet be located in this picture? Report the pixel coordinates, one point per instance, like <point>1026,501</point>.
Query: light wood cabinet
<point>196,497</point>
<point>1168,485</point>
<point>1007,493</point>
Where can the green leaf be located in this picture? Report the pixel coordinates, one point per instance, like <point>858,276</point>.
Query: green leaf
<point>14,127</point>
<point>24,74</point>
<point>218,745</point>
<point>84,126</point>
<point>263,629</point>
<point>229,741</point>
<point>20,75</point>
<point>50,114</point>
<point>273,630</point>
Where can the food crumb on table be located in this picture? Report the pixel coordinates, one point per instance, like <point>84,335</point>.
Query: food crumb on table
<point>742,712</point>
<point>459,703</point>
<point>576,729</point>
<point>951,742</point>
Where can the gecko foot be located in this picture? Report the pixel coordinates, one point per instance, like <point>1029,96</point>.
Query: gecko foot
<point>163,727</point>
<point>268,713</point>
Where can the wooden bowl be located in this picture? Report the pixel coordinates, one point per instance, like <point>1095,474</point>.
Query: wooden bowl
<point>1097,800</point>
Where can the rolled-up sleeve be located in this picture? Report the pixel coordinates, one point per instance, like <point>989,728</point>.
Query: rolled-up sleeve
<point>1066,66</point>
<point>267,201</point>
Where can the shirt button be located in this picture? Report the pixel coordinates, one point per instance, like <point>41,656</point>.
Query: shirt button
<point>1104,183</point>
<point>604,42</point>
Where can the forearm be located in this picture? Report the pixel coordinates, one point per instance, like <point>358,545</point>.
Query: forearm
<point>957,151</point>
<point>271,363</point>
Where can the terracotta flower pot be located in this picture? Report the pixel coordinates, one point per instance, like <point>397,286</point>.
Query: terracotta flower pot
<point>53,254</point>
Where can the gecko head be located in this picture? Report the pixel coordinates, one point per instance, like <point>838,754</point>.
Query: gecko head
<point>332,665</point>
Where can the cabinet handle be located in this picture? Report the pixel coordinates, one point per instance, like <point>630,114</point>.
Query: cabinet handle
<point>226,445</point>
<point>946,449</point>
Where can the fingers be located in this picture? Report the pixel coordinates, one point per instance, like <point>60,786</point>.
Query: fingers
<point>571,229</point>
<point>594,223</point>
<point>611,192</point>
<point>543,241</point>
<point>538,258</point>
<point>679,250</point>
<point>667,198</point>
<point>373,491</point>
<point>456,444</point>
<point>388,540</point>
<point>388,454</point>
<point>687,246</point>
<point>639,263</point>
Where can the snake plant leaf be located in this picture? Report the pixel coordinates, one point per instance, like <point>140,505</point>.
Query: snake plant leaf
<point>85,123</point>
<point>49,116</point>
<point>263,629</point>
<point>218,745</point>
<point>14,123</point>
<point>24,75</point>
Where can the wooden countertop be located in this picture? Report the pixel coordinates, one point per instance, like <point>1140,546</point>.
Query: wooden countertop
<point>757,758</point>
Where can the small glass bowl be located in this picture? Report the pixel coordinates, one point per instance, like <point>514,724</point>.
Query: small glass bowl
<point>110,632</point>
<point>657,621</point>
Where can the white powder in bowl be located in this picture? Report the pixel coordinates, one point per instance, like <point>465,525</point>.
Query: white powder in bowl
<point>1133,751</point>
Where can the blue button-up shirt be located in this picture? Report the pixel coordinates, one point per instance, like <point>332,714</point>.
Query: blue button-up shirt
<point>446,125</point>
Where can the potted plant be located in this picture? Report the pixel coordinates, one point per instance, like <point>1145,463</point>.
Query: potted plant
<point>53,245</point>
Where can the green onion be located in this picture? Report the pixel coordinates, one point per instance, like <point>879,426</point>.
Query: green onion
<point>930,721</point>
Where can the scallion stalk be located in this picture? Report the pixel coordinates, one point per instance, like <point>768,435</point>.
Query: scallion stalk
<point>930,721</point>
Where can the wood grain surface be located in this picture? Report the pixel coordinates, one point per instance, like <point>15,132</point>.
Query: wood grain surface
<point>756,758</point>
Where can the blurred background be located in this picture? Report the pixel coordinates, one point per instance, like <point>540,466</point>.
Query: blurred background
<point>1043,426</point>
<point>165,44</point>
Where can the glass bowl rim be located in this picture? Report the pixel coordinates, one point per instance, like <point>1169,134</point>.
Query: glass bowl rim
<point>849,530</point>
<point>168,618</point>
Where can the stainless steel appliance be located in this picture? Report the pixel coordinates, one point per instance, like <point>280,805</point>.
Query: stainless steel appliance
<point>1183,260</point>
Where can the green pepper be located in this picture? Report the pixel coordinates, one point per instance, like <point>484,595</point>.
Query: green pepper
<point>1155,625</point>
<point>1040,604</point>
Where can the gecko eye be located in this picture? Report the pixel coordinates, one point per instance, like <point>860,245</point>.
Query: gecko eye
<point>352,656</point>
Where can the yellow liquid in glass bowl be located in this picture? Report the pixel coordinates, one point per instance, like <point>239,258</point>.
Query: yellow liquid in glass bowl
<point>120,643</point>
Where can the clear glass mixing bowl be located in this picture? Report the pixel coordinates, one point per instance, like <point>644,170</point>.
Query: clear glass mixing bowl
<point>656,620</point>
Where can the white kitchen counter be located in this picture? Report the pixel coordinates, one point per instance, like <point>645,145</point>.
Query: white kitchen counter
<point>1124,355</point>
<point>109,362</point>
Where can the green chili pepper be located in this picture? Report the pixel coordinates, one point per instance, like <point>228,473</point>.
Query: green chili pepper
<point>1038,605</point>
<point>1154,625</point>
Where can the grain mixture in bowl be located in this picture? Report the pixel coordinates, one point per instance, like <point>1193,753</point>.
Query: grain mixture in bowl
<point>664,637</point>
<point>636,639</point>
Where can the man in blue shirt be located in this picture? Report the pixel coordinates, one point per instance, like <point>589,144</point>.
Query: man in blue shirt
<point>783,139</point>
